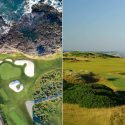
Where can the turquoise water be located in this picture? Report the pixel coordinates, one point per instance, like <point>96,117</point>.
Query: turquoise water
<point>12,9</point>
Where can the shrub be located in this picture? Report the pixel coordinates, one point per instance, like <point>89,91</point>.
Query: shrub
<point>91,95</point>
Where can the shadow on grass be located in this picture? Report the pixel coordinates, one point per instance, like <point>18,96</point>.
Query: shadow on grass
<point>112,79</point>
<point>121,93</point>
<point>90,78</point>
<point>122,73</point>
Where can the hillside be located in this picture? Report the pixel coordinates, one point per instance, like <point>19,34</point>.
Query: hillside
<point>93,85</point>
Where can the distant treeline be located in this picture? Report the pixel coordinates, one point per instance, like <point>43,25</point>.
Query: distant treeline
<point>88,54</point>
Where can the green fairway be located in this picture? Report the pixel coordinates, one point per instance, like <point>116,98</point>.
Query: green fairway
<point>12,104</point>
<point>9,71</point>
<point>104,68</point>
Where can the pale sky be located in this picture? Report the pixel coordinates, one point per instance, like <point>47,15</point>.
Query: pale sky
<point>94,25</point>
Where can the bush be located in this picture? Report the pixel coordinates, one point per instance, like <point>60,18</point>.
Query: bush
<point>91,95</point>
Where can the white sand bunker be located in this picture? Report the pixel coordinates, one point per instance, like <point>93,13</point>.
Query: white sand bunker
<point>29,69</point>
<point>16,86</point>
<point>1,61</point>
<point>9,60</point>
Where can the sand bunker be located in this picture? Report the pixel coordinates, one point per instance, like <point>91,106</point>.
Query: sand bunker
<point>16,86</point>
<point>1,61</point>
<point>29,106</point>
<point>29,69</point>
<point>9,60</point>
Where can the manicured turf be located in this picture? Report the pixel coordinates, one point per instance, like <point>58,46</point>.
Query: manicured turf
<point>14,103</point>
<point>104,68</point>
<point>9,71</point>
<point>18,120</point>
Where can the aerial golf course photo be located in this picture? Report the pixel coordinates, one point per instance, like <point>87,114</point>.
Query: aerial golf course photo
<point>23,89</point>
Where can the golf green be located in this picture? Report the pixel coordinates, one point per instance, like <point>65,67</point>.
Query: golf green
<point>9,71</point>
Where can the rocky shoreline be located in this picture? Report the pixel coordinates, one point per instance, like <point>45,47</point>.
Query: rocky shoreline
<point>37,33</point>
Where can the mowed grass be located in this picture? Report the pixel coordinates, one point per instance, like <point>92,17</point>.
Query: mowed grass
<point>14,103</point>
<point>74,115</point>
<point>57,116</point>
<point>9,71</point>
<point>111,71</point>
<point>14,116</point>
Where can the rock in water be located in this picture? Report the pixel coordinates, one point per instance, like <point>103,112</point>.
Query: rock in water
<point>38,31</point>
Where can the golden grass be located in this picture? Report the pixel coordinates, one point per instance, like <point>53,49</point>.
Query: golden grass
<point>74,115</point>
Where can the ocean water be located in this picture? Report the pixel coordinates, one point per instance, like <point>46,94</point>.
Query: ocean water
<point>11,10</point>
<point>14,9</point>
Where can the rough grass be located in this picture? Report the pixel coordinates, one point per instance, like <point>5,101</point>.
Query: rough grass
<point>74,115</point>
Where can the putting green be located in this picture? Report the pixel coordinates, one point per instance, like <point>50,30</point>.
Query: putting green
<point>9,71</point>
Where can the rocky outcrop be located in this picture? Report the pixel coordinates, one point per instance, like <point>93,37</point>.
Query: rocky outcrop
<point>37,33</point>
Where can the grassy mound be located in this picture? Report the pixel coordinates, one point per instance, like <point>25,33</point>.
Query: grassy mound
<point>9,71</point>
<point>79,77</point>
<point>91,95</point>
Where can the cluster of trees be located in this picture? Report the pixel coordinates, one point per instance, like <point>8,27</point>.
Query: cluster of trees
<point>42,112</point>
<point>2,114</point>
<point>91,95</point>
<point>50,84</point>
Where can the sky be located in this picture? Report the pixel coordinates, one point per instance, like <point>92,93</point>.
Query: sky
<point>94,25</point>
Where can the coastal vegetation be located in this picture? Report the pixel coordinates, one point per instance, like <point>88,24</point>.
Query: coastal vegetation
<point>48,96</point>
<point>49,84</point>
<point>49,111</point>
